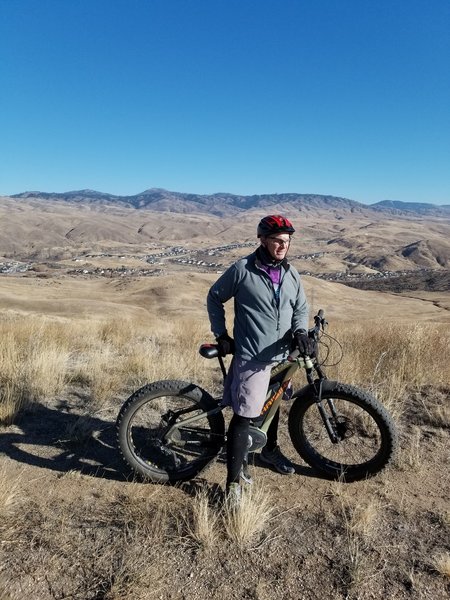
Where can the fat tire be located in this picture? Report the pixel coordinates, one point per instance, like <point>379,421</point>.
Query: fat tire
<point>174,390</point>
<point>343,394</point>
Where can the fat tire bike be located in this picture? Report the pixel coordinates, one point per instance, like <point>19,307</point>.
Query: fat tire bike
<point>170,430</point>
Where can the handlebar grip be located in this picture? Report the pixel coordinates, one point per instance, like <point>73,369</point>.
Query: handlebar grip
<point>319,319</point>
<point>293,355</point>
<point>307,361</point>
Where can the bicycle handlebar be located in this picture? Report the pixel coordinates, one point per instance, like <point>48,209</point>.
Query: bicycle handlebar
<point>320,320</point>
<point>211,350</point>
<point>319,323</point>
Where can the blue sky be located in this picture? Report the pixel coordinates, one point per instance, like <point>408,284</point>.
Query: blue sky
<point>342,97</point>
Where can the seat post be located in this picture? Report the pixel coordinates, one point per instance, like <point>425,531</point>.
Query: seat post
<point>222,366</point>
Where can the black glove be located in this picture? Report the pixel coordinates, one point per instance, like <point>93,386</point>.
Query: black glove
<point>304,343</point>
<point>225,344</point>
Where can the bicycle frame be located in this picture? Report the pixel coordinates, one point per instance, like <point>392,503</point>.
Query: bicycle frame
<point>276,388</point>
<point>271,405</point>
<point>170,430</point>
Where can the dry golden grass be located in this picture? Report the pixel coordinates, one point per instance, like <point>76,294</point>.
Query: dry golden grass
<point>42,359</point>
<point>437,408</point>
<point>33,365</point>
<point>360,511</point>
<point>40,356</point>
<point>208,524</point>
<point>391,359</point>
<point>141,506</point>
<point>244,523</point>
<point>412,457</point>
<point>87,538</point>
<point>78,549</point>
<point>10,491</point>
<point>441,563</point>
<point>364,516</point>
<point>362,546</point>
<point>203,525</point>
<point>360,515</point>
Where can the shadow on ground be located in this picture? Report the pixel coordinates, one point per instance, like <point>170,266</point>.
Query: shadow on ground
<point>62,441</point>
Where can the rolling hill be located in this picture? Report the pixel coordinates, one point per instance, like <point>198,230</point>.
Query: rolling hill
<point>333,234</point>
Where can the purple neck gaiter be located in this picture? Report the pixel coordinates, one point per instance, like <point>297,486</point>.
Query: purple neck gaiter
<point>274,273</point>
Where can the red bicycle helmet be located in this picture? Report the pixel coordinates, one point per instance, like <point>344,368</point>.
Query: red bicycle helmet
<point>274,224</point>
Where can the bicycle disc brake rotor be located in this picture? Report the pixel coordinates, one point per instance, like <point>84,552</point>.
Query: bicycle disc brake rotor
<point>343,427</point>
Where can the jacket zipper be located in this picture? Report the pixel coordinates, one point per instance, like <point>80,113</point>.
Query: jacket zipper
<point>274,298</point>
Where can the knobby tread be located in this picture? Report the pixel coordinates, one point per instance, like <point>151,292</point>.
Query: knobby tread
<point>344,392</point>
<point>153,391</point>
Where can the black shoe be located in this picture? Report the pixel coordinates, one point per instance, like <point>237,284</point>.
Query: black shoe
<point>275,458</point>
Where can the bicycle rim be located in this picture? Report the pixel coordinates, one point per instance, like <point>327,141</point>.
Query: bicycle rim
<point>360,438</point>
<point>163,438</point>
<point>366,435</point>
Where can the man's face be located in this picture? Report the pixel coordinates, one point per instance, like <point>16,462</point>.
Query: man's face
<point>277,245</point>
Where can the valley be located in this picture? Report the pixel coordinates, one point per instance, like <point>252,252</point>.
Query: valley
<point>348,254</point>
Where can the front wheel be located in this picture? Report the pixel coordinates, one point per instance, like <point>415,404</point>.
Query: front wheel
<point>365,436</point>
<point>170,430</point>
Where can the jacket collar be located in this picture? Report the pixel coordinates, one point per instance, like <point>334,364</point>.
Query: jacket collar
<point>262,258</point>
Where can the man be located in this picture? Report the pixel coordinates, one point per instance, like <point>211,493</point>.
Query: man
<point>270,310</point>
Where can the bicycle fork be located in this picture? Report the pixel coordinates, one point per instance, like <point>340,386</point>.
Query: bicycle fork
<point>329,422</point>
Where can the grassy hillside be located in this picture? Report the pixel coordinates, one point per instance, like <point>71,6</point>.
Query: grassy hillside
<point>76,524</point>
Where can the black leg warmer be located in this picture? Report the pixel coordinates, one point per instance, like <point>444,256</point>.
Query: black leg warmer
<point>237,444</point>
<point>272,432</point>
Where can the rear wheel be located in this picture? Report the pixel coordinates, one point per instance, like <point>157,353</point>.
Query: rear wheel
<point>366,436</point>
<point>164,433</point>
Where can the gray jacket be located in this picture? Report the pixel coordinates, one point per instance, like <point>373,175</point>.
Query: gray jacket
<point>262,327</point>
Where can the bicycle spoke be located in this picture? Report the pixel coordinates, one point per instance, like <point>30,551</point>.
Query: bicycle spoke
<point>159,438</point>
<point>360,438</point>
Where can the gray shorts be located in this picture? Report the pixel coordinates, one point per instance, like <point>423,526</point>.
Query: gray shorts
<point>246,386</point>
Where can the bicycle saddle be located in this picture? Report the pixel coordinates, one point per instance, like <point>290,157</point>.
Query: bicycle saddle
<point>209,350</point>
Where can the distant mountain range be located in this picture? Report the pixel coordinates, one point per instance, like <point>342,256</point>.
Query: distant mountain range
<point>338,234</point>
<point>422,208</point>
<point>225,204</point>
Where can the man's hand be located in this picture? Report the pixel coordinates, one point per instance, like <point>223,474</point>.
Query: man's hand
<point>225,344</point>
<point>304,343</point>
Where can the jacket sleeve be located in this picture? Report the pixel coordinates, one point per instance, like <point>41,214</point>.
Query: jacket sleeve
<point>224,289</point>
<point>301,309</point>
